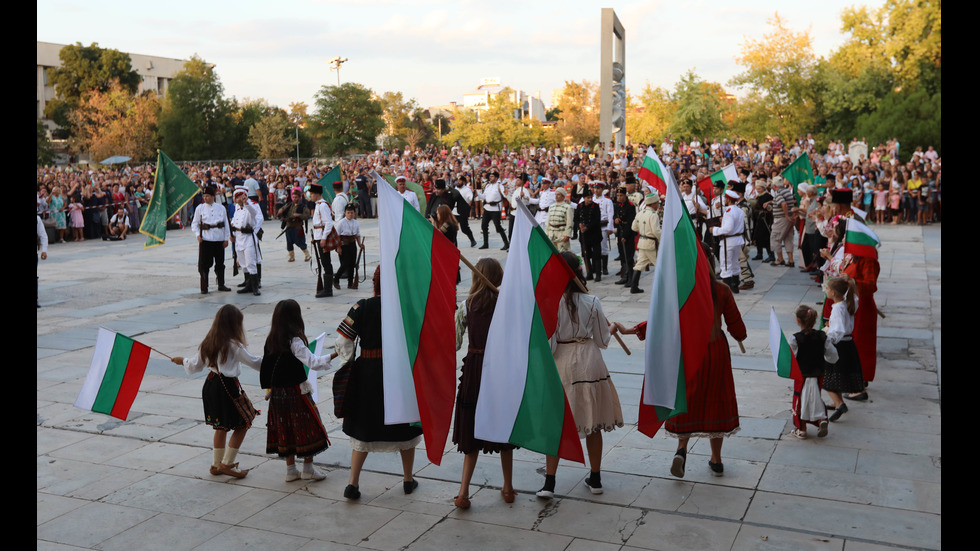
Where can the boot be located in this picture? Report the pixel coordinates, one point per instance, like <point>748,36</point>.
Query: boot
<point>605,264</point>
<point>244,283</point>
<point>635,287</point>
<point>732,283</point>
<point>506,242</point>
<point>486,241</point>
<point>626,278</point>
<point>220,274</point>
<point>306,254</point>
<point>255,286</point>
<point>246,286</point>
<point>258,276</point>
<point>472,241</point>
<point>292,256</point>
<point>204,283</point>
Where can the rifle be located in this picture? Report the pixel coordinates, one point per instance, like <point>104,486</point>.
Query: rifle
<point>234,261</point>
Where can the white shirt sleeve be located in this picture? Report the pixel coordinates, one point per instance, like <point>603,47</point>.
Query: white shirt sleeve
<point>309,359</point>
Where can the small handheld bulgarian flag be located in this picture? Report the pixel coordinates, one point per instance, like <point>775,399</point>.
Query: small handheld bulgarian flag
<point>860,240</point>
<point>316,347</point>
<point>725,175</point>
<point>114,376</point>
<point>782,356</point>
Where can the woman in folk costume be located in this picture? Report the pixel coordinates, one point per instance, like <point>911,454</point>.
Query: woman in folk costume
<point>473,317</point>
<point>863,271</point>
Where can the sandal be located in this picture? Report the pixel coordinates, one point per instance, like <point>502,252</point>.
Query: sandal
<point>799,434</point>
<point>462,502</point>
<point>508,495</point>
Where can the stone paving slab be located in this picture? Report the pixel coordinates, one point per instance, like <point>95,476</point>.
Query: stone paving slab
<point>873,483</point>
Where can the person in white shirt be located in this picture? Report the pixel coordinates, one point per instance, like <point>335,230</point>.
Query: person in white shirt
<point>244,226</point>
<point>210,225</point>
<point>408,194</point>
<point>493,202</point>
<point>731,236</point>
<point>322,227</point>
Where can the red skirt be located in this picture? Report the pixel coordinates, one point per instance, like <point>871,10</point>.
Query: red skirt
<point>294,425</point>
<point>712,410</point>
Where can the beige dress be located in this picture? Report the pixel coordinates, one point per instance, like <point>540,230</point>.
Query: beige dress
<point>576,344</point>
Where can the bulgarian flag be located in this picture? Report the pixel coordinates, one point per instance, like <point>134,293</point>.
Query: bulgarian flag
<point>782,356</point>
<point>860,240</point>
<point>725,175</point>
<point>114,376</point>
<point>316,347</point>
<point>654,172</point>
<point>418,283</point>
<point>680,318</point>
<point>522,400</point>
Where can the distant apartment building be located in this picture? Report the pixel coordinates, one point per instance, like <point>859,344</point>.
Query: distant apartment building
<point>479,99</point>
<point>155,72</point>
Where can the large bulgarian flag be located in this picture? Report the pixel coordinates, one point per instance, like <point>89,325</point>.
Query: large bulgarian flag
<point>522,400</point>
<point>680,318</point>
<point>418,283</point>
<point>653,172</point>
<point>725,175</point>
<point>860,240</point>
<point>782,356</point>
<point>114,376</point>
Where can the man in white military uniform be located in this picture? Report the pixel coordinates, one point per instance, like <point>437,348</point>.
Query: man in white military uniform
<point>608,227</point>
<point>243,226</point>
<point>408,194</point>
<point>210,225</point>
<point>730,235</point>
<point>322,226</point>
<point>544,200</point>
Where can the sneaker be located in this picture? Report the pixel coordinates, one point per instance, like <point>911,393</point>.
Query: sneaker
<point>351,492</point>
<point>291,475</point>
<point>313,474</point>
<point>717,469</point>
<point>594,486</point>
<point>410,485</point>
<point>677,467</point>
<point>822,430</point>
<point>545,493</point>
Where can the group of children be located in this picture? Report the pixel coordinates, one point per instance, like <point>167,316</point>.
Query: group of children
<point>827,360</point>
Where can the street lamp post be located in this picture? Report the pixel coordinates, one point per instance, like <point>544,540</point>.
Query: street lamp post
<point>335,63</point>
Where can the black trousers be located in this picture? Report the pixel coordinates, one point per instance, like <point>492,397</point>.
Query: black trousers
<point>364,202</point>
<point>326,266</point>
<point>493,215</point>
<point>348,257</point>
<point>211,253</point>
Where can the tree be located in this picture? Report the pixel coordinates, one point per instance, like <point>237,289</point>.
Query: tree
<point>398,118</point>
<point>84,69</point>
<point>914,116</point>
<point>579,107</point>
<point>245,114</point>
<point>347,118</point>
<point>272,136</point>
<point>779,72</point>
<point>649,116</point>
<point>45,151</point>
<point>196,122</point>
<point>116,122</point>
<point>699,107</point>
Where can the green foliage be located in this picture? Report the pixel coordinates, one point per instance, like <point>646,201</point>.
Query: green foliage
<point>347,119</point>
<point>914,117</point>
<point>579,108</point>
<point>85,69</point>
<point>496,126</point>
<point>45,151</point>
<point>649,116</point>
<point>116,122</point>
<point>272,137</point>
<point>698,108</point>
<point>398,118</point>
<point>196,121</point>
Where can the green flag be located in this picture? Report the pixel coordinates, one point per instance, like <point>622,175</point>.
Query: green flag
<point>412,186</point>
<point>172,189</point>
<point>798,172</point>
<point>333,175</point>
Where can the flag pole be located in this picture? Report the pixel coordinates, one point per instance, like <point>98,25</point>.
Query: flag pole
<point>479,273</point>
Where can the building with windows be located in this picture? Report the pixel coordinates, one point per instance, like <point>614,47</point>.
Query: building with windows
<point>479,99</point>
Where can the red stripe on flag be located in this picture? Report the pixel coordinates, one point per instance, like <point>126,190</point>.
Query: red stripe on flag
<point>694,314</point>
<point>135,367</point>
<point>857,249</point>
<point>552,281</point>
<point>706,186</point>
<point>647,422</point>
<point>654,180</point>
<point>434,371</point>
<point>569,447</point>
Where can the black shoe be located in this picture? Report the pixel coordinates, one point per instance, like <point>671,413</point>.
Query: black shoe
<point>757,257</point>
<point>351,492</point>
<point>485,246</point>
<point>594,483</point>
<point>410,485</point>
<point>548,490</point>
<point>472,242</point>
<point>717,469</point>
<point>858,397</point>
<point>224,288</point>
<point>326,292</point>
<point>635,287</point>
<point>770,258</point>
<point>246,287</point>
<point>841,410</point>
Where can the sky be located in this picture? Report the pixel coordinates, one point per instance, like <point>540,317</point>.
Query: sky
<point>433,51</point>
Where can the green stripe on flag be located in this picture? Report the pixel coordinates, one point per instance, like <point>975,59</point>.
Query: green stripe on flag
<point>785,363</point>
<point>413,264</point>
<point>122,347</point>
<point>686,253</point>
<point>537,426</point>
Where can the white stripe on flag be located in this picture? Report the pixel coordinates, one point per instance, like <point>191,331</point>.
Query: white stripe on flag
<point>96,371</point>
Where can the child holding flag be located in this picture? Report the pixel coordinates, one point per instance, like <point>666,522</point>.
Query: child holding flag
<point>812,349</point>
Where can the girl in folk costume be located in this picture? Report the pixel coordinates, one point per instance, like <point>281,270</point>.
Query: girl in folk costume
<point>294,428</point>
<point>581,332</point>
<point>813,350</point>
<point>845,375</point>
<point>473,317</point>
<point>226,408</point>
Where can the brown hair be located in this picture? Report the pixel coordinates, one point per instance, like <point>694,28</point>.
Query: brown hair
<point>575,264</point>
<point>807,317</point>
<point>287,323</point>
<point>844,287</point>
<point>225,329</point>
<point>444,215</point>
<point>482,297</point>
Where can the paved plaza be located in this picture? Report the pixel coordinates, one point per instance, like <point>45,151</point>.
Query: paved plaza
<point>874,483</point>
